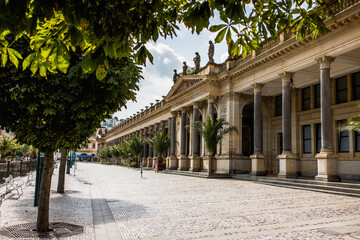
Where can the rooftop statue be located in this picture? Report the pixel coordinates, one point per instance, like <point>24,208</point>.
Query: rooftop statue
<point>176,76</point>
<point>185,67</point>
<point>197,62</point>
<point>211,52</point>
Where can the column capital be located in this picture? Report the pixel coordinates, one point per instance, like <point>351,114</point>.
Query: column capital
<point>286,77</point>
<point>173,114</point>
<point>257,87</point>
<point>211,99</point>
<point>325,61</point>
<point>195,104</point>
<point>183,110</point>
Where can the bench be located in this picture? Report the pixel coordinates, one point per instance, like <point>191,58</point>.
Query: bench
<point>30,177</point>
<point>12,184</point>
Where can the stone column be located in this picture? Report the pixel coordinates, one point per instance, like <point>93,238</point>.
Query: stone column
<point>287,160</point>
<point>150,158</point>
<point>257,159</point>
<point>210,107</point>
<point>146,147</point>
<point>183,161</point>
<point>195,158</point>
<point>155,157</point>
<point>327,161</point>
<point>173,159</point>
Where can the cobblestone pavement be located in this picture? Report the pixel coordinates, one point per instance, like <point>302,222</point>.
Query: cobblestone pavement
<point>162,206</point>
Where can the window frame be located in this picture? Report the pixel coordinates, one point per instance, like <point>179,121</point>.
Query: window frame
<point>304,140</point>
<point>303,99</point>
<point>338,91</point>
<point>317,104</point>
<point>318,137</point>
<point>354,86</point>
<point>278,105</point>
<point>341,136</point>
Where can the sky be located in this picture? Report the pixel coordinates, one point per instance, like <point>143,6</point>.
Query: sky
<point>169,54</point>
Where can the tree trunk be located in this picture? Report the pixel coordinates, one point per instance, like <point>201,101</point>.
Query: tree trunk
<point>42,224</point>
<point>61,181</point>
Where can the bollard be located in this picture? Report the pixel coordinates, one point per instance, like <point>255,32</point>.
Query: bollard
<point>21,166</point>
<point>8,168</point>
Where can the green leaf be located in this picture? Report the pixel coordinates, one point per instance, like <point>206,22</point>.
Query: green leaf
<point>13,58</point>
<point>109,50</point>
<point>4,57</point>
<point>101,72</point>
<point>88,65</point>
<point>220,35</point>
<point>216,28</point>
<point>28,60</point>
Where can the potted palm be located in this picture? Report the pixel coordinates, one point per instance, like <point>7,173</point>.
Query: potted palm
<point>135,148</point>
<point>212,131</point>
<point>160,143</point>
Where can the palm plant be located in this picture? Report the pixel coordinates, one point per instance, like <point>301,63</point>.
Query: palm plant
<point>14,149</point>
<point>124,150</point>
<point>6,144</point>
<point>25,150</point>
<point>160,143</point>
<point>212,130</point>
<point>352,124</point>
<point>33,154</point>
<point>135,147</point>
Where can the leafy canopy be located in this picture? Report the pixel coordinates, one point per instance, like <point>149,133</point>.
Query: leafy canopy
<point>212,130</point>
<point>64,109</point>
<point>160,143</point>
<point>112,29</point>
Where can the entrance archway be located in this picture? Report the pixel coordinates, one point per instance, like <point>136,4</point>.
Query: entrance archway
<point>248,129</point>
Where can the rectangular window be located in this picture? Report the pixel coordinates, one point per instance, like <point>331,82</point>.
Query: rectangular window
<point>357,141</point>
<point>343,143</point>
<point>317,95</point>
<point>341,90</point>
<point>278,105</point>
<point>356,85</point>
<point>318,137</point>
<point>306,98</point>
<point>93,146</point>
<point>307,139</point>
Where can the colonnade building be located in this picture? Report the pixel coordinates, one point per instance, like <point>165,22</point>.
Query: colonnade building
<point>285,102</point>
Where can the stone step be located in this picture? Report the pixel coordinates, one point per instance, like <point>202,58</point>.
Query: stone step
<point>196,174</point>
<point>348,189</point>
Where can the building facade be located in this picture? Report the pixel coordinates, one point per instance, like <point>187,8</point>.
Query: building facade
<point>285,102</point>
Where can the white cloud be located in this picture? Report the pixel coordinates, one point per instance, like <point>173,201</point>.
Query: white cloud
<point>167,61</point>
<point>224,56</point>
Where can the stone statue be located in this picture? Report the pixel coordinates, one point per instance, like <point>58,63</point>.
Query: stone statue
<point>230,45</point>
<point>197,62</point>
<point>176,76</point>
<point>185,67</point>
<point>211,52</point>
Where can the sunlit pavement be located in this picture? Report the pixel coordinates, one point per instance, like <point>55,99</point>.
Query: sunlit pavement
<point>163,206</point>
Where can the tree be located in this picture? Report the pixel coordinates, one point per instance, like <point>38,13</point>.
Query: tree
<point>6,144</point>
<point>62,110</point>
<point>160,143</point>
<point>105,30</point>
<point>135,148</point>
<point>61,177</point>
<point>212,130</point>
